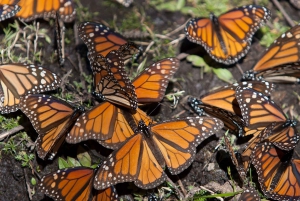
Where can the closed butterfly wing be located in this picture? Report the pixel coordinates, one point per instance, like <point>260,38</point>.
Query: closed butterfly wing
<point>108,194</point>
<point>224,97</point>
<point>18,80</point>
<point>227,38</point>
<point>231,121</point>
<point>52,119</point>
<point>100,40</point>
<point>111,82</point>
<point>280,62</point>
<point>8,11</point>
<point>257,109</point>
<point>32,9</point>
<point>143,156</point>
<point>278,173</point>
<point>68,184</point>
<point>151,84</point>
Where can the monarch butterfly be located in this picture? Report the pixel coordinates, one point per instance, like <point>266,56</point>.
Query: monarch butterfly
<point>100,40</point>
<point>105,123</point>
<point>143,157</point>
<point>259,112</point>
<point>228,37</point>
<point>249,194</point>
<point>32,9</point>
<point>52,118</point>
<point>111,81</point>
<point>278,173</point>
<point>222,103</point>
<point>18,80</point>
<point>280,135</point>
<point>8,11</point>
<point>280,63</point>
<point>74,184</point>
<point>60,39</point>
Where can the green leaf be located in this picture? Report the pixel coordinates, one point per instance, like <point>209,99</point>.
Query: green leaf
<point>196,60</point>
<point>62,163</point>
<point>224,74</point>
<point>33,181</point>
<point>83,157</point>
<point>73,162</point>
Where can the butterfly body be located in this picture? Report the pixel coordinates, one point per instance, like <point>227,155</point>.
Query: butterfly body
<point>227,38</point>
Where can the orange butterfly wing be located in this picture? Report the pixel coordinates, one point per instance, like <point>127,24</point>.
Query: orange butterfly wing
<point>142,157</point>
<point>257,109</point>
<point>19,79</point>
<point>177,140</point>
<point>284,50</point>
<point>111,82</point>
<point>151,84</point>
<point>51,118</point>
<point>100,40</point>
<point>32,9</point>
<point>68,184</point>
<point>228,37</point>
<point>278,174</point>
<point>108,194</point>
<point>124,130</point>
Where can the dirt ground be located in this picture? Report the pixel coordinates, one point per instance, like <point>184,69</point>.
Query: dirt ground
<point>210,166</point>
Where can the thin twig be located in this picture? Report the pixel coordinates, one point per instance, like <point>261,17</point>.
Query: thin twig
<point>78,56</point>
<point>175,187</point>
<point>287,17</point>
<point>181,186</point>
<point>10,132</point>
<point>29,190</point>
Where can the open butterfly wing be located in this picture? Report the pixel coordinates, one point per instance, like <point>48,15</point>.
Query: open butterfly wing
<point>68,184</point>
<point>133,161</point>
<point>125,128</point>
<point>257,109</point>
<point>177,140</point>
<point>151,84</point>
<point>278,174</point>
<point>284,50</point>
<point>19,79</point>
<point>51,118</point>
<point>100,123</point>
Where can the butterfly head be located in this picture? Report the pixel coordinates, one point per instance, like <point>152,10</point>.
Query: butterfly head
<point>143,128</point>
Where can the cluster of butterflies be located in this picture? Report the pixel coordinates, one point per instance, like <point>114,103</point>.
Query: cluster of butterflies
<point>143,147</point>
<point>246,107</point>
